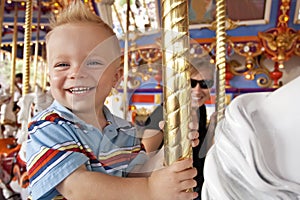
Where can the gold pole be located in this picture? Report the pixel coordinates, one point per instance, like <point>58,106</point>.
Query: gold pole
<point>118,16</point>
<point>44,70</point>
<point>126,59</point>
<point>14,53</point>
<point>2,5</point>
<point>176,79</point>
<point>27,50</point>
<point>36,50</point>
<point>220,58</point>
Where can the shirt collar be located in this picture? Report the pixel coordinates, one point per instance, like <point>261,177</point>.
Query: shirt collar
<point>114,121</point>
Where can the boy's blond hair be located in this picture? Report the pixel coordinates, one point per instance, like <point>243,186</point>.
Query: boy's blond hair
<point>78,12</point>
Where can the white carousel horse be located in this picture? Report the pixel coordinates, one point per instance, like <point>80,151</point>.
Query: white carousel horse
<point>30,104</point>
<point>7,117</point>
<point>256,150</point>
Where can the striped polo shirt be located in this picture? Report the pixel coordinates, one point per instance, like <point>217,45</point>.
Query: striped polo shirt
<point>59,142</point>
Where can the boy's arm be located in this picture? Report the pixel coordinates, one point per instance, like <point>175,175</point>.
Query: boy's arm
<point>168,183</point>
<point>152,139</point>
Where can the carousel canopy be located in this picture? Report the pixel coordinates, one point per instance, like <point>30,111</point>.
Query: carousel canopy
<point>143,18</point>
<point>41,13</point>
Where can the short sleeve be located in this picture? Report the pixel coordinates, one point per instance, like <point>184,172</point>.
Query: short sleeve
<point>52,154</point>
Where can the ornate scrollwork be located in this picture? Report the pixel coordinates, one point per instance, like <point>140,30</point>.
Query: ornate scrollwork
<point>281,42</point>
<point>229,24</point>
<point>257,68</point>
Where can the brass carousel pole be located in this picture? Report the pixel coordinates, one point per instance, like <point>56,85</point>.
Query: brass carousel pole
<point>27,50</point>
<point>14,53</point>
<point>126,59</point>
<point>36,50</point>
<point>118,16</point>
<point>2,6</point>
<point>220,58</point>
<point>176,79</point>
<point>44,70</point>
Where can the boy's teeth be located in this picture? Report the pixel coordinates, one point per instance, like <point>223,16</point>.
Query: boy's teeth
<point>79,90</point>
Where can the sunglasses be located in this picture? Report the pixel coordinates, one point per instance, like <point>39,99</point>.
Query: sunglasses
<point>204,84</point>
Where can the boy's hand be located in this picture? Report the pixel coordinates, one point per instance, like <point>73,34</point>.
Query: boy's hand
<point>193,134</point>
<point>173,182</point>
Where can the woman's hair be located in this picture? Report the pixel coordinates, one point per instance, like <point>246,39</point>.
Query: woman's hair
<point>78,12</point>
<point>199,64</point>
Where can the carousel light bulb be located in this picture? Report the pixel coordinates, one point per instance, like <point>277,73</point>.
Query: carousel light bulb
<point>248,76</point>
<point>281,65</point>
<point>9,1</point>
<point>192,51</point>
<point>22,3</point>
<point>246,48</point>
<point>133,56</point>
<point>249,65</point>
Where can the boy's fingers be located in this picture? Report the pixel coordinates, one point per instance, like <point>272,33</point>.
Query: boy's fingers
<point>188,195</point>
<point>181,165</point>
<point>187,174</point>
<point>187,184</point>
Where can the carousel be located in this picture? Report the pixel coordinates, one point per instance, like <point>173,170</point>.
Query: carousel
<point>253,45</point>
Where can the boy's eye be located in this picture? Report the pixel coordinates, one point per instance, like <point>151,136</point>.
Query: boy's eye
<point>61,65</point>
<point>94,63</point>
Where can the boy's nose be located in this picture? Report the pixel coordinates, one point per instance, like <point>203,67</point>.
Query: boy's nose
<point>77,72</point>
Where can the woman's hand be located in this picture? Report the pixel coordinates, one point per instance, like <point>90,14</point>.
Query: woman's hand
<point>193,135</point>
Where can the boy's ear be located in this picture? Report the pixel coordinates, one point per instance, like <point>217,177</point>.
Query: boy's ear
<point>118,76</point>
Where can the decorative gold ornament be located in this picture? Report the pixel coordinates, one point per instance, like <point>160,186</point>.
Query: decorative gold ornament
<point>229,25</point>
<point>280,42</point>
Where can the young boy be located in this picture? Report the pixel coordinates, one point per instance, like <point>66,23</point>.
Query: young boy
<point>76,148</point>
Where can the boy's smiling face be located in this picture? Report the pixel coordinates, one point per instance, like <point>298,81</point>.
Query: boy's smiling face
<point>83,64</point>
